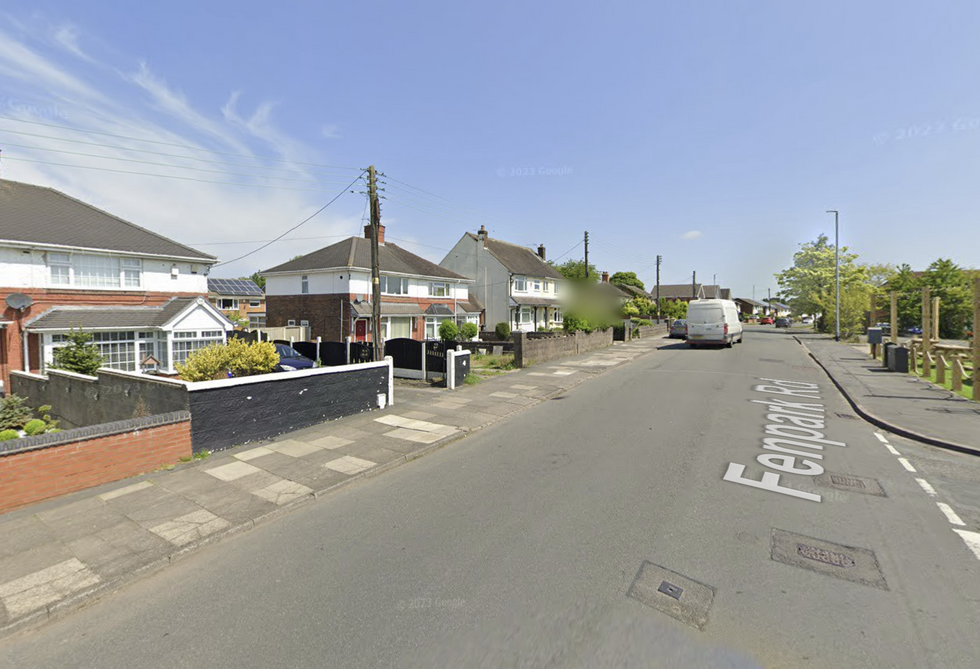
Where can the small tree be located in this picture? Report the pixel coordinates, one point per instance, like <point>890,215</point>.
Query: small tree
<point>448,331</point>
<point>469,331</point>
<point>14,413</point>
<point>80,355</point>
<point>503,330</point>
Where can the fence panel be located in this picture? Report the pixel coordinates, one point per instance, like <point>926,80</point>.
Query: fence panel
<point>435,357</point>
<point>361,352</point>
<point>406,353</point>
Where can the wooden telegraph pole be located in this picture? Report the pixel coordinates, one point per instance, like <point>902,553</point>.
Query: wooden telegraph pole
<point>375,271</point>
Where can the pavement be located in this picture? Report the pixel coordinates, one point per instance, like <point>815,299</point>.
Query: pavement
<point>62,554</point>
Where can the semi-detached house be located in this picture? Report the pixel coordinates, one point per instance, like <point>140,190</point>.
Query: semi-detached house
<point>329,291</point>
<point>65,264</point>
<point>516,285</point>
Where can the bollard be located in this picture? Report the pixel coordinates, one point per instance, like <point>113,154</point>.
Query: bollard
<point>941,369</point>
<point>958,372</point>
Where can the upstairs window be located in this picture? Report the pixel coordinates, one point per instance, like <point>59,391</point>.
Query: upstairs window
<point>438,289</point>
<point>59,265</point>
<point>536,285</point>
<point>227,304</point>
<point>520,284</point>
<point>82,270</point>
<point>391,285</point>
<point>304,285</point>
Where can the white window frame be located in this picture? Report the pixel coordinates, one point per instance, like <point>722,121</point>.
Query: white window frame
<point>400,286</point>
<point>192,340</point>
<point>253,302</point>
<point>438,289</point>
<point>536,285</point>
<point>304,284</point>
<point>520,284</point>
<point>523,311</point>
<point>234,304</point>
<point>93,271</point>
<point>256,321</point>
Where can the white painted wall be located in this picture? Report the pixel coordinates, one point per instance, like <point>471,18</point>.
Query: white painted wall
<point>354,283</point>
<point>20,269</point>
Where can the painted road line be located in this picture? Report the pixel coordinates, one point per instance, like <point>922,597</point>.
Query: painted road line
<point>891,449</point>
<point>925,486</point>
<point>972,540</point>
<point>906,464</point>
<point>881,437</point>
<point>950,514</point>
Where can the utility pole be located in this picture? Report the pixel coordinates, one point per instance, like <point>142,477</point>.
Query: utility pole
<point>586,254</point>
<point>375,271</point>
<point>659,258</point>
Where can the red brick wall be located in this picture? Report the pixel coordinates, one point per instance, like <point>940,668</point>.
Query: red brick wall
<point>322,311</point>
<point>32,476</point>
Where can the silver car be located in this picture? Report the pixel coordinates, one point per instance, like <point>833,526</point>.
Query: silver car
<point>678,329</point>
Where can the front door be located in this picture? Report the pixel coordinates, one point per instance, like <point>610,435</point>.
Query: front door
<point>360,330</point>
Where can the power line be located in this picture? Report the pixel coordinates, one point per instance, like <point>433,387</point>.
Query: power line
<point>336,197</point>
<point>164,176</point>
<point>153,153</point>
<point>475,213</point>
<point>171,165</point>
<point>182,146</point>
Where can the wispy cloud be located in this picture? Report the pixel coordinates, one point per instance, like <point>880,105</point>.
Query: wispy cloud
<point>692,234</point>
<point>138,147</point>
<point>330,131</point>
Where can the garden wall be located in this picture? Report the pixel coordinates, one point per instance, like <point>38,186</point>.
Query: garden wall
<point>532,348</point>
<point>33,469</point>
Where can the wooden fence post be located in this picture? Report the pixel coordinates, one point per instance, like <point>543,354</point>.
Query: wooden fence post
<point>957,382</point>
<point>926,333</point>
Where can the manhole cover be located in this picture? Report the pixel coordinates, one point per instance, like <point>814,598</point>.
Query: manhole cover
<point>825,557</point>
<point>851,483</point>
<point>673,594</point>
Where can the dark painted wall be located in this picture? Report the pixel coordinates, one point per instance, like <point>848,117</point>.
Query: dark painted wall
<point>236,414</point>
<point>81,401</point>
<point>462,364</point>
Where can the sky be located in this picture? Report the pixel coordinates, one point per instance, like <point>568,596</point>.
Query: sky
<point>714,134</point>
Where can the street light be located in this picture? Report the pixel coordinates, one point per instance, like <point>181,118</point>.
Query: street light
<point>836,276</point>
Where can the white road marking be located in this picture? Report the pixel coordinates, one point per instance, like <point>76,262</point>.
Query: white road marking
<point>950,514</point>
<point>881,437</point>
<point>925,486</point>
<point>906,464</point>
<point>972,540</point>
<point>891,449</point>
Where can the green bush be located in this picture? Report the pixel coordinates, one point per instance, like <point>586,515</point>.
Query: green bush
<point>503,330</point>
<point>448,331</point>
<point>14,413</point>
<point>79,355</point>
<point>7,435</point>
<point>469,330</point>
<point>34,426</point>
<point>641,322</point>
<point>239,357</point>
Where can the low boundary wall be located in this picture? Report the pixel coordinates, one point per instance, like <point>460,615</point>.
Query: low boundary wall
<point>533,348</point>
<point>33,469</point>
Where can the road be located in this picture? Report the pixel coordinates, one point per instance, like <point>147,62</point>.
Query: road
<point>541,542</point>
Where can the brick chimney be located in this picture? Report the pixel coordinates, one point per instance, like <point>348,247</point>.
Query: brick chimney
<point>605,277</point>
<point>541,253</point>
<point>482,235</point>
<point>381,233</point>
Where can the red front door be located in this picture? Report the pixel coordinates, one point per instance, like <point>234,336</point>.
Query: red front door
<point>360,330</point>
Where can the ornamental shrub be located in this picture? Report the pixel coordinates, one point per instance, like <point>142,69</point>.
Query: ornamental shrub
<point>469,331</point>
<point>502,330</point>
<point>34,426</point>
<point>239,357</point>
<point>79,355</point>
<point>448,331</point>
<point>14,413</point>
<point>7,435</point>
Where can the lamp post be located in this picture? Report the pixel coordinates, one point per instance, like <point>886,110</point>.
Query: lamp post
<point>836,275</point>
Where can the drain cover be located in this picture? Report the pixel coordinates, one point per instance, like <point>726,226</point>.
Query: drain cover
<point>674,594</point>
<point>825,557</point>
<point>851,483</point>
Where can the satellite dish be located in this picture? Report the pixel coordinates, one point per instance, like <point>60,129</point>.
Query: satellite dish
<point>19,301</point>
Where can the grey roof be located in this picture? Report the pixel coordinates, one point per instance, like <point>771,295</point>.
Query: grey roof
<point>753,303</point>
<point>110,318</point>
<point>535,301</point>
<point>355,252</point>
<point>438,310</point>
<point>612,290</point>
<point>40,215</point>
<point>468,308</point>
<point>635,291</point>
<point>519,259</point>
<point>238,287</point>
<point>684,291</point>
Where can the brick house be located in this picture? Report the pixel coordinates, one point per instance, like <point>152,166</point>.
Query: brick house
<point>66,264</point>
<point>329,291</point>
<point>514,283</point>
<point>238,298</point>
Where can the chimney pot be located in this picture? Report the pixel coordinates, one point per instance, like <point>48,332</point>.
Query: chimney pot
<point>541,253</point>
<point>605,277</point>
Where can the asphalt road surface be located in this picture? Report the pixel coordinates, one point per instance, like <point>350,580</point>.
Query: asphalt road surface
<point>545,541</point>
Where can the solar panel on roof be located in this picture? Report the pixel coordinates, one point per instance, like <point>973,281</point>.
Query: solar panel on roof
<point>233,287</point>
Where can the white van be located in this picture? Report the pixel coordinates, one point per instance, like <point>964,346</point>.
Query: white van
<point>713,322</point>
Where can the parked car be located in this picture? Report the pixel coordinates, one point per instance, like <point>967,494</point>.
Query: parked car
<point>766,320</point>
<point>886,328</point>
<point>290,359</point>
<point>713,322</point>
<point>806,320</point>
<point>784,322</point>
<point>678,329</point>
<point>914,330</point>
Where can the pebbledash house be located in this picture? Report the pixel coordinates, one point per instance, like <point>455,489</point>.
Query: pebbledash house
<point>66,264</point>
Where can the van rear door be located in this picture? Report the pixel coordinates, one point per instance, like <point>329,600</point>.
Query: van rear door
<point>705,323</point>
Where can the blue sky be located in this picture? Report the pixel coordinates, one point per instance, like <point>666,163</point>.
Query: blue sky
<point>715,134</point>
